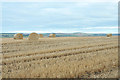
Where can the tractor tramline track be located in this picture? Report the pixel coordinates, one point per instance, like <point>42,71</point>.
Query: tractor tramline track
<point>55,61</point>
<point>32,58</point>
<point>5,56</point>
<point>64,57</point>
<point>101,65</point>
<point>23,46</point>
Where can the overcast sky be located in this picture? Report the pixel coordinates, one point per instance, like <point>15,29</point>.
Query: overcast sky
<point>63,17</point>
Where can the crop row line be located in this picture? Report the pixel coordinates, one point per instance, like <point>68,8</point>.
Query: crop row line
<point>6,56</point>
<point>22,60</point>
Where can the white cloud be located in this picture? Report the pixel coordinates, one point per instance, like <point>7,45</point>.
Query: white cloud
<point>75,25</point>
<point>102,32</point>
<point>28,31</point>
<point>94,32</point>
<point>50,31</point>
<point>0,17</point>
<point>64,11</point>
<point>59,0</point>
<point>100,28</point>
<point>60,32</point>
<point>33,17</point>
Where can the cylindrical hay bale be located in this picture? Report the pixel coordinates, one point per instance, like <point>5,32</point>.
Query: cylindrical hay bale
<point>33,36</point>
<point>41,35</point>
<point>18,36</point>
<point>109,35</point>
<point>52,35</point>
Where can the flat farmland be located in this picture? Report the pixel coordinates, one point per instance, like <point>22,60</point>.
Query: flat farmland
<point>60,57</point>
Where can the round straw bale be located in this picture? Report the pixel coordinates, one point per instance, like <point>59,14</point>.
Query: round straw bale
<point>33,36</point>
<point>52,35</point>
<point>109,35</point>
<point>18,36</point>
<point>41,35</point>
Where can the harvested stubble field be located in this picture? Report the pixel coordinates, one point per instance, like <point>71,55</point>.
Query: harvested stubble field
<point>70,57</point>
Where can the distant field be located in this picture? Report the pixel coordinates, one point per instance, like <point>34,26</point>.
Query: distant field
<point>11,35</point>
<point>61,57</point>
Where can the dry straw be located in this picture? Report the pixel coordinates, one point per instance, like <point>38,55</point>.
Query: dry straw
<point>33,36</point>
<point>109,35</point>
<point>41,35</point>
<point>18,36</point>
<point>52,35</point>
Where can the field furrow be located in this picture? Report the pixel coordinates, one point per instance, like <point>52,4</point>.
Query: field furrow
<point>19,54</point>
<point>94,62</point>
<point>55,55</point>
<point>78,57</point>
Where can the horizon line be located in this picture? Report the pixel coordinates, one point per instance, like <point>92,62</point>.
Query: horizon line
<point>64,32</point>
